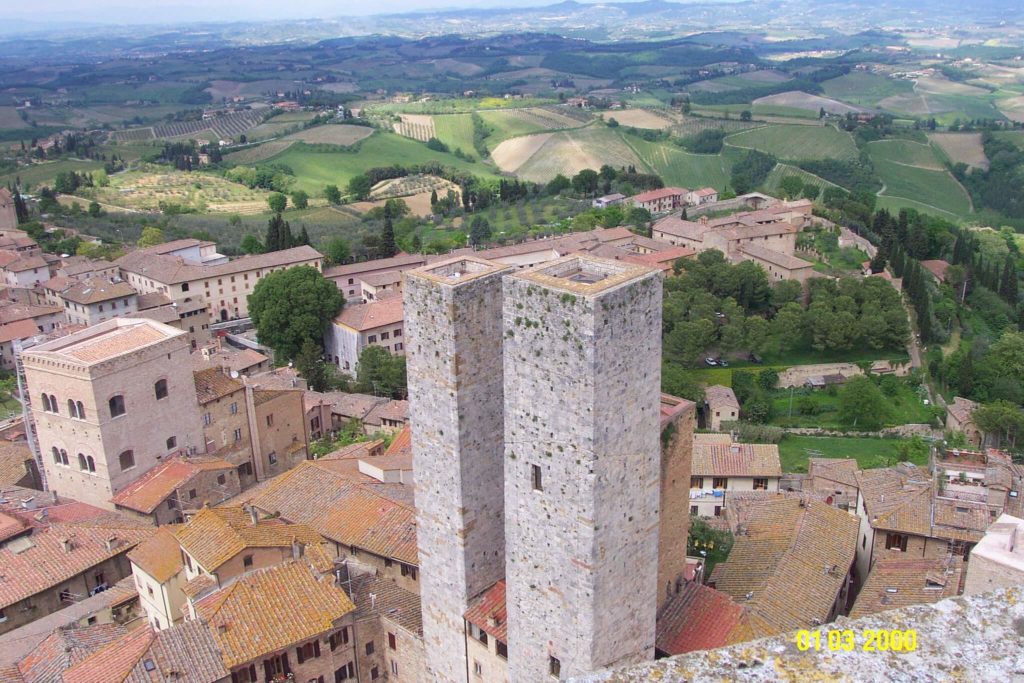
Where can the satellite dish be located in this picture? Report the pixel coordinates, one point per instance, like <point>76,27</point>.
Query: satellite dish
<point>234,374</point>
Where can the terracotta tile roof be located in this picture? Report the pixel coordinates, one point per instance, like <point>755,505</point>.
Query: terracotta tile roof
<point>488,606</point>
<point>355,451</point>
<point>44,564</point>
<point>392,410</point>
<point>63,648</point>
<point>109,339</point>
<point>95,290</point>
<point>792,559</point>
<point>342,511</point>
<point>215,535</point>
<point>159,555</point>
<point>152,300</point>
<point>11,527</point>
<point>718,395</point>
<point>200,584</point>
<point>961,409</point>
<point>390,277</point>
<point>346,405</point>
<point>839,470</point>
<point>936,267</point>
<point>150,491</point>
<point>19,329</point>
<point>186,653</point>
<point>26,262</point>
<point>212,384</point>
<point>170,269</point>
<point>58,284</point>
<point>113,662</point>
<point>270,609</point>
<point>698,618</point>
<point>401,261</point>
<point>705,192</point>
<point>895,582</point>
<point>736,460</point>
<point>661,193</point>
<point>228,357</point>
<point>773,257</point>
<point>712,438</point>
<point>362,317</point>
<point>664,257</point>
<point>402,442</point>
<point>12,311</point>
<point>389,600</point>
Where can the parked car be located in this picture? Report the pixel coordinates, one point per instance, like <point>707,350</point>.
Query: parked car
<point>723,362</point>
<point>710,362</point>
<point>756,359</point>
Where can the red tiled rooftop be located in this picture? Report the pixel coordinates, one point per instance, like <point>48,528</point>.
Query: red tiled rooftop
<point>697,618</point>
<point>487,607</point>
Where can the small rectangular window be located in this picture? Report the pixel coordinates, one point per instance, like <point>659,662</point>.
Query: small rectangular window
<point>535,478</point>
<point>696,482</point>
<point>502,648</point>
<point>760,484</point>
<point>392,641</point>
<point>720,483</point>
<point>372,339</point>
<point>554,667</point>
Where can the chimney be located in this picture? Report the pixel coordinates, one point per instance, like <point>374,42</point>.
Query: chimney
<point>67,545</point>
<point>111,543</point>
<point>703,220</point>
<point>298,549</point>
<point>493,621</point>
<point>254,517</point>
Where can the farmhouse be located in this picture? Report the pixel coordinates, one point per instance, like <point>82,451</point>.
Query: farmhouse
<point>705,195</point>
<point>608,200</point>
<point>349,277</point>
<point>720,405</point>
<point>662,200</point>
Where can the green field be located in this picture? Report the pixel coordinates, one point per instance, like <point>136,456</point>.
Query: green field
<point>797,142</point>
<point>904,406</point>
<point>33,176</point>
<point>678,167</point>
<point>869,453</point>
<point>925,188</point>
<point>570,151</point>
<point>513,123</point>
<point>771,185</point>
<point>314,169</point>
<point>456,131</point>
<point>1014,136</point>
<point>865,89</point>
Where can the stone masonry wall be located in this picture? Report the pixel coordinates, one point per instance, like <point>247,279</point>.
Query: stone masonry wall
<point>582,376</point>
<point>455,386</point>
<point>674,517</point>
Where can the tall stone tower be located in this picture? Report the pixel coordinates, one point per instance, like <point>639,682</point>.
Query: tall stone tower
<point>582,461</point>
<point>453,321</point>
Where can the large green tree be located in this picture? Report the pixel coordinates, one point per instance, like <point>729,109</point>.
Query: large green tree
<point>292,306</point>
<point>381,373</point>
<point>151,236</point>
<point>862,404</point>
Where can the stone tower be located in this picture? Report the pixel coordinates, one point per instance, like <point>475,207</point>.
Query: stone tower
<point>582,460</point>
<point>453,319</point>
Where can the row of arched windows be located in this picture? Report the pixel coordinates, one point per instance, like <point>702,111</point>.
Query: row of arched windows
<point>116,403</point>
<point>86,463</point>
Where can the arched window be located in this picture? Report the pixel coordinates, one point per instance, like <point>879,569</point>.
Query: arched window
<point>116,404</point>
<point>56,456</point>
<point>64,458</point>
<point>82,465</point>
<point>172,442</point>
<point>72,410</point>
<point>127,459</point>
<point>91,463</point>
<point>46,404</point>
<point>160,388</point>
<point>53,404</point>
<point>81,411</point>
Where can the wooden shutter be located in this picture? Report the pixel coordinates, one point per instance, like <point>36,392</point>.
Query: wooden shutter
<point>284,658</point>
<point>316,647</point>
<point>298,653</point>
<point>268,669</point>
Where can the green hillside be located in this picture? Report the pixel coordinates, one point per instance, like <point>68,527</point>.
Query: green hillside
<point>797,142</point>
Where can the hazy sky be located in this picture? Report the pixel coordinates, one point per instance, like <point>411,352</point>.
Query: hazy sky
<point>156,11</point>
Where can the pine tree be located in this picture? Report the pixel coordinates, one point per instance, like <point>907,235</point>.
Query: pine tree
<point>388,246</point>
<point>433,198</point>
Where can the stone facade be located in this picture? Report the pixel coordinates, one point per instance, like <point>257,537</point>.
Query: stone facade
<point>94,452</point>
<point>679,418</point>
<point>455,374</point>
<point>582,465</point>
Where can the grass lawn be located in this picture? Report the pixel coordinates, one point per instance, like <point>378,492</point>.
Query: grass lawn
<point>797,142</point>
<point>904,407</point>
<point>314,169</point>
<point>869,453</point>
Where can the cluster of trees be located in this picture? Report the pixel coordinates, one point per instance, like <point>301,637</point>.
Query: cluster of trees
<point>1001,187</point>
<point>279,236</point>
<point>277,177</point>
<point>751,170</point>
<point>291,308</point>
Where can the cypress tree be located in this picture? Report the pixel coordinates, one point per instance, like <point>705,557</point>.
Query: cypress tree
<point>878,263</point>
<point>303,237</point>
<point>273,240</point>
<point>388,246</point>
